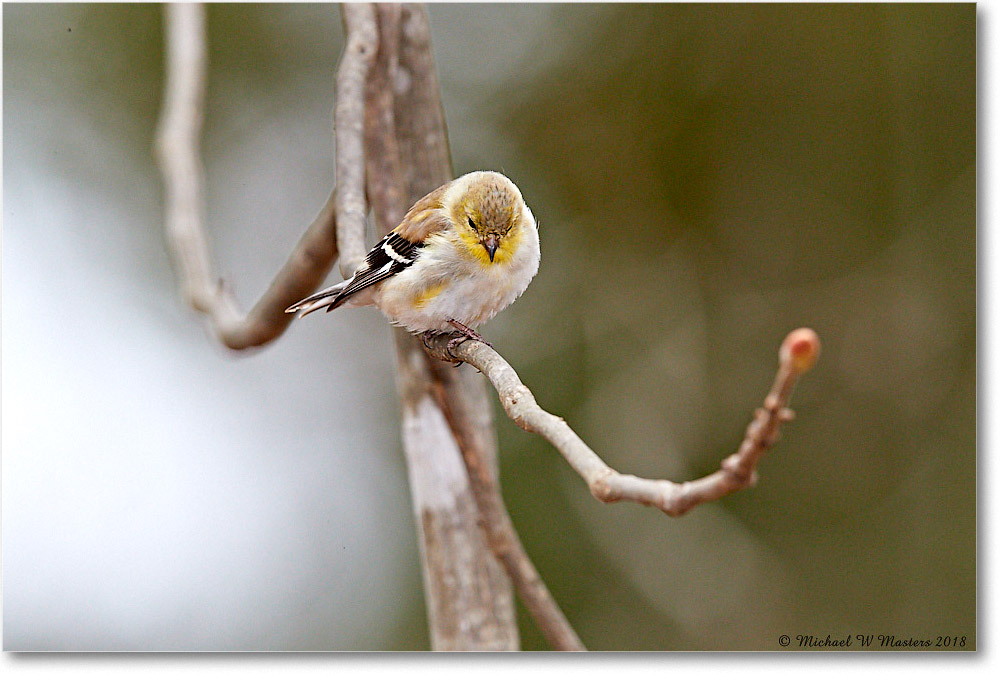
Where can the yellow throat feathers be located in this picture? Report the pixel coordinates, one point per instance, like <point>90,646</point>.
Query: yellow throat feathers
<point>505,250</point>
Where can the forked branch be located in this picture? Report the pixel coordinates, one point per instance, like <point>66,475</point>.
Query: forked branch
<point>798,353</point>
<point>177,146</point>
<point>340,225</point>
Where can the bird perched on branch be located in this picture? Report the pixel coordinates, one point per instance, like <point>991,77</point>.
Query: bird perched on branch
<point>462,253</point>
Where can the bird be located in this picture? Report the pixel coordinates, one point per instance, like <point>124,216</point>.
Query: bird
<point>461,254</point>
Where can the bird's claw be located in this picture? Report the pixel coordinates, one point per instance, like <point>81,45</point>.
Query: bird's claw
<point>453,343</point>
<point>428,337</point>
<point>465,333</point>
<point>460,335</point>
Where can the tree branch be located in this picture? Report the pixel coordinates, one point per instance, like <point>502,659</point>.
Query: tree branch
<point>495,521</point>
<point>423,140</point>
<point>391,108</point>
<point>469,601</point>
<point>177,142</point>
<point>349,118</point>
<point>798,353</point>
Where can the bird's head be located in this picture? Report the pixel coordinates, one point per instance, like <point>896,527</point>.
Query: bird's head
<point>488,215</point>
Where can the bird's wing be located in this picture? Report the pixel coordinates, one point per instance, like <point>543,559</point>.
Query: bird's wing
<point>395,253</point>
<point>425,217</point>
<point>390,256</point>
<point>400,248</point>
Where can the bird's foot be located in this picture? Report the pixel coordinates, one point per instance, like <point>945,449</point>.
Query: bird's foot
<point>465,333</point>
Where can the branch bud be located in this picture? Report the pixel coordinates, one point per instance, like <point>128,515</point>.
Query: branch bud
<point>800,349</point>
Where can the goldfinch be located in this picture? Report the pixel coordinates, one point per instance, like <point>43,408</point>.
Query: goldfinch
<point>462,253</point>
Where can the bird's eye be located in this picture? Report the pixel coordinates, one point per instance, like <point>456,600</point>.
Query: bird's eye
<point>472,224</point>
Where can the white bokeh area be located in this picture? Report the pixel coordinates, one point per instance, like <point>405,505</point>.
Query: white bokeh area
<point>160,493</point>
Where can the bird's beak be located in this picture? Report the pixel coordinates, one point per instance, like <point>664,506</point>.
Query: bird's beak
<point>490,244</point>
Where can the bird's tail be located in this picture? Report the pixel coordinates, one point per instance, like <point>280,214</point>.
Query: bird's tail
<point>328,297</point>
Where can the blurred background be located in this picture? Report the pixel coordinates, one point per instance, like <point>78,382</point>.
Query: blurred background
<point>706,178</point>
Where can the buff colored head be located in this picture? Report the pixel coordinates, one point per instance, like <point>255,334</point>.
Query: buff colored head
<point>488,213</point>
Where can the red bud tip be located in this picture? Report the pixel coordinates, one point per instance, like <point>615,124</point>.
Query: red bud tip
<point>800,349</point>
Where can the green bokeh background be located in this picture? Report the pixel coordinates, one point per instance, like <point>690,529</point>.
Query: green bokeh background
<point>706,177</point>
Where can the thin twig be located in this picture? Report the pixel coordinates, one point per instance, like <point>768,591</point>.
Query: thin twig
<point>176,145</point>
<point>177,142</point>
<point>305,270</point>
<point>349,117</point>
<point>798,353</point>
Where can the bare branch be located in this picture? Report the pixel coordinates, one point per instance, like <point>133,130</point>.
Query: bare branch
<point>798,353</point>
<point>455,394</point>
<point>501,535</point>
<point>420,123</point>
<point>305,270</point>
<point>349,116</point>
<point>177,145</point>
<point>364,116</point>
<point>383,167</point>
<point>469,600</point>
